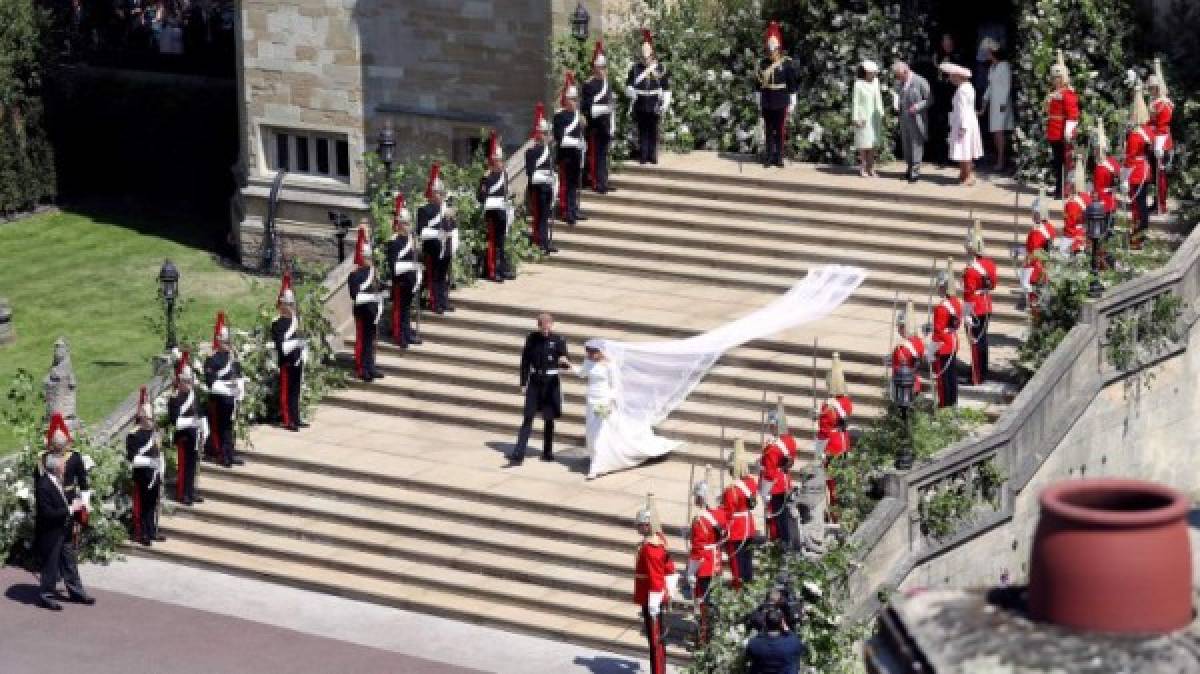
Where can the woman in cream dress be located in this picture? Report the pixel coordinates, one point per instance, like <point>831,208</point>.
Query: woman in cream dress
<point>867,114</point>
<point>966,141</point>
<point>996,100</point>
<point>599,398</point>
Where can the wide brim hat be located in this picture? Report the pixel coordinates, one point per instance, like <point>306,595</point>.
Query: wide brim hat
<point>954,69</point>
<point>870,66</point>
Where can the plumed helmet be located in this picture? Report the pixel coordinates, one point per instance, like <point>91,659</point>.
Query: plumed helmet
<point>1059,69</point>
<point>220,331</point>
<point>1139,114</point>
<point>362,247</point>
<point>648,514</point>
<point>700,490</point>
<point>286,295</point>
<point>836,381</point>
<point>57,433</point>
<point>598,57</point>
<point>1157,81</point>
<point>569,91</point>
<point>647,44</point>
<point>183,369</point>
<point>946,280</point>
<point>907,319</point>
<point>1041,209</point>
<point>737,460</point>
<point>399,210</point>
<point>1100,138</point>
<point>540,125</point>
<point>435,184</point>
<point>774,37</point>
<point>495,151</point>
<point>1079,177</point>
<point>144,410</point>
<point>975,238</point>
<point>778,416</point>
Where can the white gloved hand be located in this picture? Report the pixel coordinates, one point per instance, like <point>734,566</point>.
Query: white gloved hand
<point>758,98</point>
<point>631,92</point>
<point>654,602</point>
<point>1158,152</point>
<point>791,103</point>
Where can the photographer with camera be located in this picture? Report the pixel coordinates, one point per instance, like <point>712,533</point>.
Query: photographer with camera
<point>776,649</point>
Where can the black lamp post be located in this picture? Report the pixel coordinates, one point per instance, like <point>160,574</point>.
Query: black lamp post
<point>341,228</point>
<point>1097,229</point>
<point>168,289</point>
<point>579,22</point>
<point>903,383</point>
<point>387,148</point>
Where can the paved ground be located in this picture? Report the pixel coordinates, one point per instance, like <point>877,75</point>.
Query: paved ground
<point>150,611</point>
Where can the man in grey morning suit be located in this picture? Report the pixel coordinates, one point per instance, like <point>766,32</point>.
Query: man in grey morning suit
<point>914,100</point>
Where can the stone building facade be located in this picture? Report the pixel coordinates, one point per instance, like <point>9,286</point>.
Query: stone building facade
<point>318,79</point>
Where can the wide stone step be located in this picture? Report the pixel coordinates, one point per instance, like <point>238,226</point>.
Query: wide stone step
<point>417,497</point>
<point>911,276</point>
<point>873,292</point>
<point>708,193</point>
<point>358,528</point>
<point>712,399</point>
<point>819,181</point>
<point>906,253</point>
<point>265,562</point>
<point>476,317</point>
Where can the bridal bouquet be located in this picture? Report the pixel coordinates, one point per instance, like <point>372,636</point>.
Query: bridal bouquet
<point>602,410</point>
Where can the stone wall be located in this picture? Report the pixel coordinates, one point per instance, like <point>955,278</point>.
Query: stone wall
<point>1128,430</point>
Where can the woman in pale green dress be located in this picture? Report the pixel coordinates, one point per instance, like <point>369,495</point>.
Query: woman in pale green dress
<point>867,114</point>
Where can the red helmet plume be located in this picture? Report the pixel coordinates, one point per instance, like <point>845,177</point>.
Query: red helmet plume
<point>540,125</point>
<point>220,331</point>
<point>183,368</point>
<point>435,181</point>
<point>286,295</point>
<point>399,210</point>
<point>494,149</point>
<point>598,56</point>
<point>57,433</point>
<point>775,36</point>
<point>568,89</point>
<point>362,248</point>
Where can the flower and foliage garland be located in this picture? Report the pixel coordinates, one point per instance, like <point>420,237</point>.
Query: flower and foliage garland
<point>108,477</point>
<point>1096,37</point>
<point>822,585</point>
<point>462,183</point>
<point>712,50</point>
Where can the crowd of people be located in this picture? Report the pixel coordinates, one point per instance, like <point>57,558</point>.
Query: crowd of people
<point>135,30</point>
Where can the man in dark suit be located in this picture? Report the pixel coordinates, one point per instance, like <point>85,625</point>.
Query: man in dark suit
<point>544,353</point>
<point>775,651</point>
<point>53,527</point>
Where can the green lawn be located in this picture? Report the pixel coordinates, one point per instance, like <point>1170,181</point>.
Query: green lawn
<point>93,280</point>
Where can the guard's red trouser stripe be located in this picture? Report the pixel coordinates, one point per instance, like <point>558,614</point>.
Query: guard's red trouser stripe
<point>181,473</point>
<point>535,211</point>
<point>430,282</point>
<point>562,190</point>
<point>397,334</point>
<point>591,159</point>
<point>284,407</point>
<point>491,247</point>
<point>358,346</point>
<point>137,510</point>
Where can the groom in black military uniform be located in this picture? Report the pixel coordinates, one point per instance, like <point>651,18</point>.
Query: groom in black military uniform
<point>541,358</point>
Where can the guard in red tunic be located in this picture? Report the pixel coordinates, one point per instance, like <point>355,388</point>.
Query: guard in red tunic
<point>833,419</point>
<point>1074,210</point>
<point>1062,116</point>
<point>570,128</point>
<point>1042,234</point>
<point>1161,111</point>
<point>539,166</point>
<point>775,481</point>
<point>1106,172</point>
<point>1135,174</point>
<point>367,297</point>
<point>979,281</point>
<point>947,318</point>
<point>1033,276</point>
<point>497,212</point>
<point>652,582</point>
<point>911,351</point>
<point>598,103</point>
<point>402,257</point>
<point>705,539</point>
<point>738,501</point>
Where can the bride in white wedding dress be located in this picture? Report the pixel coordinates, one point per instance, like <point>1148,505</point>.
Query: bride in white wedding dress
<point>633,387</point>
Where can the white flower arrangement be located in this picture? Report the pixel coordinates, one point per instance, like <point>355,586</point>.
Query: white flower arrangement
<point>602,410</point>
<point>22,491</point>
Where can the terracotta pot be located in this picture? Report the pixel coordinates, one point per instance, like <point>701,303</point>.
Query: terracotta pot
<point>1112,556</point>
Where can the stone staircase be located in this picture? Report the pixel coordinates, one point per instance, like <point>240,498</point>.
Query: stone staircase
<point>397,494</point>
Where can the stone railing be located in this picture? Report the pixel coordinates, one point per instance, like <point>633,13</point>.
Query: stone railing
<point>895,538</point>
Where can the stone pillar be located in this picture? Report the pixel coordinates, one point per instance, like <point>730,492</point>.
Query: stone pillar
<point>8,333</point>
<point>60,386</point>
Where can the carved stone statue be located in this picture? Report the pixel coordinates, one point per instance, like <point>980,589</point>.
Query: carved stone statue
<point>7,333</point>
<point>60,385</point>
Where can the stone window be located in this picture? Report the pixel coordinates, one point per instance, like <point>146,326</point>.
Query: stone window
<point>308,152</point>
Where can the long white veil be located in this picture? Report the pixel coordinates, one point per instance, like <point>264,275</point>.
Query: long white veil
<point>651,379</point>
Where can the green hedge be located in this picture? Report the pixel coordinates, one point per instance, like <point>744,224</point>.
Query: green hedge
<point>26,160</point>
